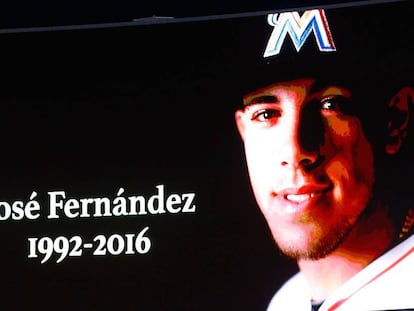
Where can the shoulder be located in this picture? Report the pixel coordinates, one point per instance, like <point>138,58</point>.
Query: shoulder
<point>293,295</point>
<point>384,284</point>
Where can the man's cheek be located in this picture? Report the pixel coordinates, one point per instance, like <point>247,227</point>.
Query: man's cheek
<point>340,127</point>
<point>362,155</point>
<point>338,171</point>
<point>259,178</point>
<point>259,154</point>
<point>364,163</point>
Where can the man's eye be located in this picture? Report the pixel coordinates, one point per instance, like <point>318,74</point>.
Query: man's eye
<point>336,104</point>
<point>330,103</point>
<point>265,115</point>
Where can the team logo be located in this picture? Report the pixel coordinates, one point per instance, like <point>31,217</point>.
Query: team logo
<point>299,28</point>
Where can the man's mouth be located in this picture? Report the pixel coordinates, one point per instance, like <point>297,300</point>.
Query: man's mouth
<point>304,193</point>
<point>298,198</point>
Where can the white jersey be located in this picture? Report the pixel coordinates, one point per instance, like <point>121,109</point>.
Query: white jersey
<point>385,284</point>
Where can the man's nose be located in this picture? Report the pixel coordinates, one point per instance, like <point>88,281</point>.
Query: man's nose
<point>302,150</point>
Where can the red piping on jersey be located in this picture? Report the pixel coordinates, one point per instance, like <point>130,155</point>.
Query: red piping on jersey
<point>340,302</point>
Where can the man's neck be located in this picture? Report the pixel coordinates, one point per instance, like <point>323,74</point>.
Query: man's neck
<point>368,240</point>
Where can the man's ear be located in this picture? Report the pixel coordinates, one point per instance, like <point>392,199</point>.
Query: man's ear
<point>239,115</point>
<point>399,110</point>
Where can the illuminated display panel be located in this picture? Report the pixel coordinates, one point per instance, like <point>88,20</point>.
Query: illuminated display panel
<point>124,177</point>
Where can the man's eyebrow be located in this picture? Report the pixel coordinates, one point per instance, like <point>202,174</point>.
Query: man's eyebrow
<point>261,99</point>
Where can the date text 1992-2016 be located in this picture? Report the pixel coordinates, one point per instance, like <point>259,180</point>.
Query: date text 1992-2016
<point>114,244</point>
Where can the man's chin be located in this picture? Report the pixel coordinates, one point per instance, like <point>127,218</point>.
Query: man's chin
<point>312,249</point>
<point>312,242</point>
<point>314,252</point>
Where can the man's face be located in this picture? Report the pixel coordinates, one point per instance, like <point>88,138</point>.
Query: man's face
<point>310,164</point>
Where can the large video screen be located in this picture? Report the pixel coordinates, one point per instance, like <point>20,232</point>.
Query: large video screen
<point>255,161</point>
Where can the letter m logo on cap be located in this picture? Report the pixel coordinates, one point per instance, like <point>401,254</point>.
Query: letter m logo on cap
<point>299,28</point>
